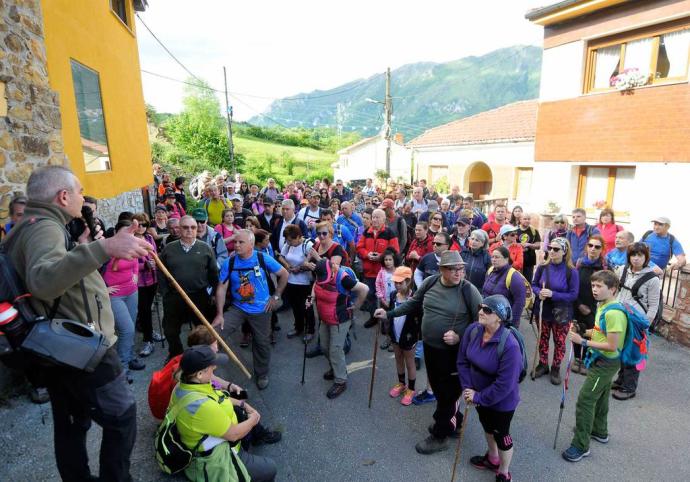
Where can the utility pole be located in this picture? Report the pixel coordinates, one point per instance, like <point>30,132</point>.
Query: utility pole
<point>388,108</point>
<point>228,115</point>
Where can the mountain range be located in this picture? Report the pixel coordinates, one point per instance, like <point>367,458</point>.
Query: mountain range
<point>425,94</point>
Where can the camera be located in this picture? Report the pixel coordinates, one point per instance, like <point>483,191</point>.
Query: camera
<point>77,226</point>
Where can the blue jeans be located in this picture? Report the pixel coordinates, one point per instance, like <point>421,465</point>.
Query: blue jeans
<point>419,350</point>
<point>125,312</point>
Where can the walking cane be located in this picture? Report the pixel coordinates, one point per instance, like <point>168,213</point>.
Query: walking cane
<point>536,348</point>
<point>459,444</point>
<point>565,388</point>
<point>199,315</point>
<point>373,363</point>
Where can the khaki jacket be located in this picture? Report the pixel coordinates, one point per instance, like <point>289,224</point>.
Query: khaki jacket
<point>49,270</point>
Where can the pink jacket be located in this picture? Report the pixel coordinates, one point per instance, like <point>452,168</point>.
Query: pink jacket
<point>121,274</point>
<point>384,284</point>
<point>147,272</point>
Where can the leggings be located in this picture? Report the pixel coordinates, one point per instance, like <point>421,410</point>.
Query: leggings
<point>560,332</point>
<point>497,424</point>
<point>146,295</point>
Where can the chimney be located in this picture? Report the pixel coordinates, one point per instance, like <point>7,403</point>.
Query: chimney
<point>399,138</point>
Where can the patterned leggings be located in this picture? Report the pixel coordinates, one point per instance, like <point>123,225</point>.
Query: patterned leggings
<point>560,332</point>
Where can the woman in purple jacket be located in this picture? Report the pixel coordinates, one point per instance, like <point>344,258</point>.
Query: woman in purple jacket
<point>556,284</point>
<point>489,365</point>
<point>496,283</point>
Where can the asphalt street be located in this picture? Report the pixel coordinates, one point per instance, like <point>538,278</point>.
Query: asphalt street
<point>343,440</point>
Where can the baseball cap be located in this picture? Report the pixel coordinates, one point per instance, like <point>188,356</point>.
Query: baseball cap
<point>507,228</point>
<point>401,273</point>
<point>236,197</point>
<point>662,220</point>
<point>200,214</point>
<point>463,221</point>
<point>450,258</point>
<point>199,357</point>
<point>388,203</point>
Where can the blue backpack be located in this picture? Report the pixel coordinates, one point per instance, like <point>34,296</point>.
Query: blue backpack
<point>636,344</point>
<point>502,344</point>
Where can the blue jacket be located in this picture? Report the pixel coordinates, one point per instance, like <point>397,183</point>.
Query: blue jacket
<point>577,243</point>
<point>476,264</point>
<point>479,368</point>
<point>564,292</point>
<point>495,284</point>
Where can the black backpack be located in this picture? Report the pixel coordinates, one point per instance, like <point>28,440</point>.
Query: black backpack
<point>635,289</point>
<point>465,289</point>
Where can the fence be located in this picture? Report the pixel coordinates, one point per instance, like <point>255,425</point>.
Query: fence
<point>487,205</point>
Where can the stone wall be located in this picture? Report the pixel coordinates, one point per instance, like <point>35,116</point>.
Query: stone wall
<point>30,125</point>
<point>676,326</point>
<point>109,209</point>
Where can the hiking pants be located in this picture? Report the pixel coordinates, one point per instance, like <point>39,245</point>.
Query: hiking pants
<point>628,378</point>
<point>560,332</point>
<point>146,296</point>
<point>332,340</point>
<point>304,318</point>
<point>592,409</point>
<point>176,313</point>
<point>370,302</point>
<point>76,398</point>
<point>260,325</point>
<point>125,312</point>
<point>441,371</point>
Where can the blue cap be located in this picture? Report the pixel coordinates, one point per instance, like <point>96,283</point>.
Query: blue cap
<point>500,305</point>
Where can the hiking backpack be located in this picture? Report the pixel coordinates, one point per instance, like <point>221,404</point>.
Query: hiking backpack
<point>502,344</point>
<point>671,240</point>
<point>161,387</point>
<point>636,345</point>
<point>635,289</point>
<point>529,295</point>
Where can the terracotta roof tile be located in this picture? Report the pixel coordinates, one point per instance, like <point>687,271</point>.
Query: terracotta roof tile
<point>509,123</point>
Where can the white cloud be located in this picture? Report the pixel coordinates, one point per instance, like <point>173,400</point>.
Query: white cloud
<point>277,49</point>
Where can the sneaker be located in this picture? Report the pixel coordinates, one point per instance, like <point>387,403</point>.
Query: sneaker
<point>431,445</point>
<point>583,370</point>
<point>482,462</point>
<point>314,352</point>
<point>423,397</point>
<point>555,375</point>
<point>397,389</point>
<point>329,375</point>
<point>293,333</point>
<point>541,370</point>
<point>370,322</point>
<point>336,390</point>
<point>246,338</point>
<point>39,395</point>
<point>390,348</point>
<point>417,362</point>
<point>574,454</point>
<point>147,349</point>
<point>623,394</point>
<point>136,364</point>
<point>601,439</point>
<point>407,397</point>
<point>386,344</point>
<point>503,477</point>
<point>575,367</point>
<point>157,337</point>
<point>262,382</point>
<point>308,337</point>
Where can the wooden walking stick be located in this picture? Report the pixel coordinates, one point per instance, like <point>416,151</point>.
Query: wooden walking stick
<point>536,348</point>
<point>201,317</point>
<point>373,363</point>
<point>459,444</point>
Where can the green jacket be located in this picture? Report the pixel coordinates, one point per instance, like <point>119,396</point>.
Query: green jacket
<point>48,270</point>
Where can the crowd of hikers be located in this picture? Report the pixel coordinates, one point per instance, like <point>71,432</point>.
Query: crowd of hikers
<point>445,284</point>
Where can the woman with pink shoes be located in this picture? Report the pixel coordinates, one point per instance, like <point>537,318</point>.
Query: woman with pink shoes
<point>404,333</point>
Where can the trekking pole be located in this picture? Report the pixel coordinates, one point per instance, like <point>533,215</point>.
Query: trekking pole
<point>373,363</point>
<point>565,388</point>
<point>160,322</point>
<point>201,317</point>
<point>536,348</point>
<point>304,340</point>
<point>459,444</point>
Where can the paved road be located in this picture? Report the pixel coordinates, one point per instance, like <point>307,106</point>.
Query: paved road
<point>343,440</point>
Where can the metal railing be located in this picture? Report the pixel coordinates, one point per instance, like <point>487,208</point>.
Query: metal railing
<point>488,205</point>
<point>670,285</point>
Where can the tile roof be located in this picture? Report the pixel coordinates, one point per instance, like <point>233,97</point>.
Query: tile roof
<point>509,123</point>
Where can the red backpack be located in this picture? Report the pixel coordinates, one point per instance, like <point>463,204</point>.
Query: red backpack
<point>161,387</point>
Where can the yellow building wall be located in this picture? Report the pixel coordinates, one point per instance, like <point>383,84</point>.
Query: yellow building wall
<point>89,32</point>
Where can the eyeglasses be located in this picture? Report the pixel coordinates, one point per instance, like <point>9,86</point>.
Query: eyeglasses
<point>555,249</point>
<point>486,310</point>
<point>322,233</point>
<point>440,244</point>
<point>594,246</point>
<point>559,222</point>
<point>454,269</point>
<point>188,227</point>
<point>201,221</point>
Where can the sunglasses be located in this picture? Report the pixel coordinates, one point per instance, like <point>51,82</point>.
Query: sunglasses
<point>199,221</point>
<point>188,227</point>
<point>323,233</point>
<point>559,222</point>
<point>512,234</point>
<point>486,310</point>
<point>437,219</point>
<point>594,246</point>
<point>440,244</point>
<point>554,249</point>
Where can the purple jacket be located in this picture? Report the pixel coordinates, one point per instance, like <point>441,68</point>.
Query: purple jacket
<point>495,284</point>
<point>479,368</point>
<point>564,292</point>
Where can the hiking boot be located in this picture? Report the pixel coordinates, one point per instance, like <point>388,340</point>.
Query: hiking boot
<point>397,389</point>
<point>599,438</point>
<point>39,395</point>
<point>617,385</point>
<point>574,454</point>
<point>577,364</point>
<point>390,348</point>
<point>314,352</point>
<point>541,370</point>
<point>329,375</point>
<point>267,437</point>
<point>407,397</point>
<point>262,382</point>
<point>454,434</point>
<point>555,375</point>
<point>157,337</point>
<point>293,333</point>
<point>246,338</point>
<point>622,394</point>
<point>136,364</point>
<point>431,445</point>
<point>503,477</point>
<point>370,322</point>
<point>423,397</point>
<point>417,362</point>
<point>482,462</point>
<point>386,344</point>
<point>583,370</point>
<point>336,390</point>
<point>147,349</point>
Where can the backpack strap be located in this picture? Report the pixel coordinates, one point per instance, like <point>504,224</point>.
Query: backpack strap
<point>502,342</point>
<point>466,290</point>
<point>638,284</point>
